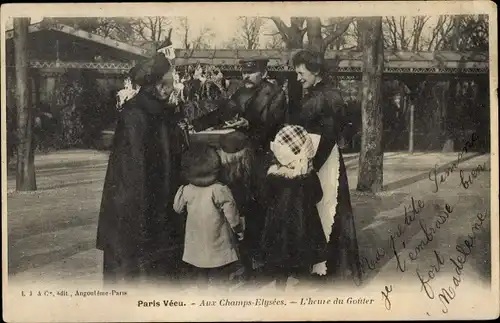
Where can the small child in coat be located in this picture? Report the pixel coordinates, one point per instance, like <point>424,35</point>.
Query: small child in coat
<point>237,158</point>
<point>213,223</point>
<point>292,239</point>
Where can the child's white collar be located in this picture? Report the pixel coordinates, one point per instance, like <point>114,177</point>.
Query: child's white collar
<point>288,172</point>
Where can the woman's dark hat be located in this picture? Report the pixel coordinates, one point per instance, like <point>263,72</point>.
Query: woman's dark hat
<point>151,70</point>
<point>234,142</point>
<point>253,65</point>
<point>201,165</point>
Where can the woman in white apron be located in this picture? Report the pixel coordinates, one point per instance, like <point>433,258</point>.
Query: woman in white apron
<point>320,113</point>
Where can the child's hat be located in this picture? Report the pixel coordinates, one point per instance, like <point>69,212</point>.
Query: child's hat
<point>292,143</point>
<point>233,142</point>
<point>201,165</point>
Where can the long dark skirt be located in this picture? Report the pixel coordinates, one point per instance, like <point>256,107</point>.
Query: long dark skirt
<point>162,261</point>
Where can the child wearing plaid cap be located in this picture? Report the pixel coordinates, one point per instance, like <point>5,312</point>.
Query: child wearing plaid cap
<point>292,239</point>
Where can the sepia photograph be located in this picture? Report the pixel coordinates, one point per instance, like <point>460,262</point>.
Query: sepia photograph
<point>283,156</point>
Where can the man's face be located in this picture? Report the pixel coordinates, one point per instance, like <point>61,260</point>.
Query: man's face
<point>306,77</point>
<point>252,79</point>
<point>165,86</point>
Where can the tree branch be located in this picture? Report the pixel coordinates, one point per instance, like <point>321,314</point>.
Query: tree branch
<point>282,27</point>
<point>342,27</point>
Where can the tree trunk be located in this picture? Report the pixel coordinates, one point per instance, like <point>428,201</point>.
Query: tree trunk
<point>315,39</point>
<point>296,35</point>
<point>451,110</point>
<point>25,177</point>
<point>449,145</point>
<point>293,36</point>
<point>411,131</point>
<point>371,156</point>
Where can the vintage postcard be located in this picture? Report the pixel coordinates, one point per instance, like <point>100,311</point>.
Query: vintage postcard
<point>259,161</point>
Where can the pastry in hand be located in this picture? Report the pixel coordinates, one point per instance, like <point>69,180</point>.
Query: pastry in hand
<point>236,123</point>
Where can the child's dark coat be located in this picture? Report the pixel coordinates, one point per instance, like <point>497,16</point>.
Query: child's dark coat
<point>292,234</point>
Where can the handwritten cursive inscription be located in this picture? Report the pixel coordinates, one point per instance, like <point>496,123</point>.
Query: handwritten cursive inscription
<point>410,215</point>
<point>415,209</point>
<point>385,296</point>
<point>430,275</point>
<point>372,264</point>
<point>430,231</point>
<point>466,182</point>
<point>400,263</point>
<point>447,295</point>
<point>440,179</point>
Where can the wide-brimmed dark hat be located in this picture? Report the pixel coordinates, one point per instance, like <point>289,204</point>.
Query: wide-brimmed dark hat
<point>201,165</point>
<point>252,65</point>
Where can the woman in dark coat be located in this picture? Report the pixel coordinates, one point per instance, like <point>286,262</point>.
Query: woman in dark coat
<point>137,230</point>
<point>321,113</point>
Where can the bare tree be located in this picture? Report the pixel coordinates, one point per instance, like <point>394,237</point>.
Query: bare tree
<point>448,32</point>
<point>440,33</point>
<point>119,28</point>
<point>371,156</point>
<point>25,176</point>
<point>184,29</point>
<point>250,31</point>
<point>348,38</point>
<point>151,30</point>
<point>404,33</point>
<point>336,29</point>
<point>202,40</point>
<point>275,42</point>
<point>293,36</point>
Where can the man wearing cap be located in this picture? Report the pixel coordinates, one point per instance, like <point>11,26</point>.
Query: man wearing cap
<point>260,102</point>
<point>263,105</point>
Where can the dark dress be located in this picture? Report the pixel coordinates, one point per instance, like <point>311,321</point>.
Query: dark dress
<point>322,113</point>
<point>292,237</point>
<point>138,230</point>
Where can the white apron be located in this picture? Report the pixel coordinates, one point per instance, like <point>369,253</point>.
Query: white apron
<point>329,178</point>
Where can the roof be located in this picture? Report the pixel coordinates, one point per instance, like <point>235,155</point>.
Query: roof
<point>347,61</point>
<point>84,35</point>
<point>122,56</point>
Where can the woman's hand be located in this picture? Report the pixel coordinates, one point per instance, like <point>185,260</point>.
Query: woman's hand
<point>238,123</point>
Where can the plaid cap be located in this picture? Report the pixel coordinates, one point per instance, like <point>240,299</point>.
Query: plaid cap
<point>296,138</point>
